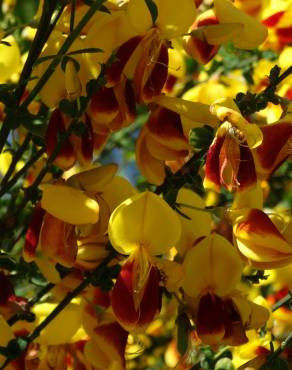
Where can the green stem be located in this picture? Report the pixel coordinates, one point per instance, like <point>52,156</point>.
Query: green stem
<point>282,302</point>
<point>62,51</point>
<point>72,15</point>
<point>284,345</point>
<point>35,50</point>
<point>16,157</point>
<point>43,172</point>
<point>39,40</point>
<point>31,303</point>
<point>284,75</point>
<point>6,186</point>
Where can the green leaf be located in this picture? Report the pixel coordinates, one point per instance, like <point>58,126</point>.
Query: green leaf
<point>44,59</point>
<point>85,51</point>
<point>66,59</point>
<point>15,347</point>
<point>224,364</point>
<point>68,107</point>
<point>183,329</point>
<point>201,137</point>
<point>152,9</point>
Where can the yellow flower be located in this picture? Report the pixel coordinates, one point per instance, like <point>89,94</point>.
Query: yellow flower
<point>143,226</point>
<point>10,61</point>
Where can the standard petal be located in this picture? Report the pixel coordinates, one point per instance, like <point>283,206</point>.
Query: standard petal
<point>197,224</point>
<point>212,264</point>
<point>174,22</point>
<point>117,190</point>
<point>218,34</point>
<point>253,33</point>
<point>95,179</point>
<point>139,15</point>
<point>144,220</point>
<point>69,204</point>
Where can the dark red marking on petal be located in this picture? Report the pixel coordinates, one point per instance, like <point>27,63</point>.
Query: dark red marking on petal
<point>123,303</point>
<point>87,141</point>
<point>212,171</point>
<point>104,100</point>
<point>273,19</point>
<point>57,127</point>
<point>165,123</point>
<point>158,75</point>
<point>210,317</point>
<point>246,173</point>
<point>33,232</point>
<point>284,34</point>
<point>274,139</point>
<point>259,223</point>
<point>115,335</point>
<point>114,72</point>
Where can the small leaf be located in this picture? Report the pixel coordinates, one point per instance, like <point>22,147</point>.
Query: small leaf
<point>15,347</point>
<point>152,9</point>
<point>183,329</point>
<point>201,137</point>
<point>85,51</point>
<point>5,43</point>
<point>44,59</point>
<point>66,59</point>
<point>68,107</point>
<point>224,364</point>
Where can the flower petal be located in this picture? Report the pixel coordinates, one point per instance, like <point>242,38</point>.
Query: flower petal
<point>175,19</point>
<point>58,240</point>
<point>259,240</point>
<point>218,34</point>
<point>253,33</point>
<point>93,180</point>
<point>144,220</point>
<point>152,168</point>
<point>199,222</point>
<point>139,15</point>
<point>69,319</point>
<point>209,322</point>
<point>217,266</point>
<point>274,149</point>
<point>198,113</point>
<point>165,126</point>
<point>69,204</point>
<point>122,299</point>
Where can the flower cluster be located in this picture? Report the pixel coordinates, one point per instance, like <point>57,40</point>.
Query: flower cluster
<point>188,246</point>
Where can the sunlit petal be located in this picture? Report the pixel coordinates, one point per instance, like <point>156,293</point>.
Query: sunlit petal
<point>69,204</point>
